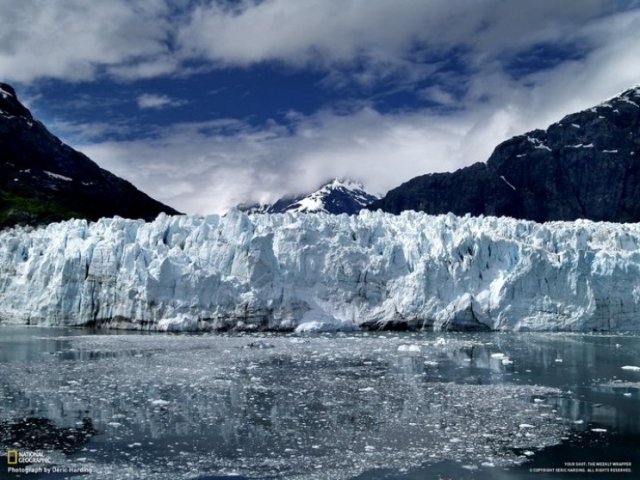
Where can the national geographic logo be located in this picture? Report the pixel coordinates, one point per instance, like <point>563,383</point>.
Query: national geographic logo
<point>15,457</point>
<point>12,457</point>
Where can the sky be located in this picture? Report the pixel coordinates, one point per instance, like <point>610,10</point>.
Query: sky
<point>205,104</point>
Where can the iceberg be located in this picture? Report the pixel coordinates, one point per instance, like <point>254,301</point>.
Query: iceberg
<point>323,272</point>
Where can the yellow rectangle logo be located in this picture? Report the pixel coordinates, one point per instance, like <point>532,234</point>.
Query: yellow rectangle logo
<point>12,457</point>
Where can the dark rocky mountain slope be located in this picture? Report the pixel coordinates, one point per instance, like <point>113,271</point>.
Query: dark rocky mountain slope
<point>585,166</point>
<point>43,180</point>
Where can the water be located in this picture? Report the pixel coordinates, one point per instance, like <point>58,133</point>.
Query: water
<point>345,406</point>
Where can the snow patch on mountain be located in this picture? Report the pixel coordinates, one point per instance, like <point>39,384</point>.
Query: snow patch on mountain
<point>337,196</point>
<point>5,93</point>
<point>58,176</point>
<point>372,270</point>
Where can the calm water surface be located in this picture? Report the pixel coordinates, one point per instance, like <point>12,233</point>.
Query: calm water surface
<point>342,406</point>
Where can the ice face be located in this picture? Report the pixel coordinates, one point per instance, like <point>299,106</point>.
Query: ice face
<point>323,271</point>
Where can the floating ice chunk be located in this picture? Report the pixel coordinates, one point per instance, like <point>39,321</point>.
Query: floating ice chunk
<point>259,344</point>
<point>114,424</point>
<point>369,448</point>
<point>578,422</point>
<point>525,425</point>
<point>409,349</point>
<point>631,367</point>
<point>506,361</point>
<point>488,464</point>
<point>159,402</point>
<point>498,355</point>
<point>528,453</point>
<point>599,430</point>
<point>558,360</point>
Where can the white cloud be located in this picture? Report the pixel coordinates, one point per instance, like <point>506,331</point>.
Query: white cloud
<point>381,35</point>
<point>77,40</point>
<point>149,100</point>
<point>197,168</point>
<point>208,167</point>
<point>84,132</point>
<point>205,167</point>
<point>149,68</point>
<point>74,39</point>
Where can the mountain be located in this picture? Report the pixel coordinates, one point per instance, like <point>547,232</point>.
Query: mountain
<point>280,272</point>
<point>43,180</point>
<point>585,166</point>
<point>337,196</point>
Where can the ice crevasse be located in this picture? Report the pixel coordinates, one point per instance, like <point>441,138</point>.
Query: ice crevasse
<point>323,272</point>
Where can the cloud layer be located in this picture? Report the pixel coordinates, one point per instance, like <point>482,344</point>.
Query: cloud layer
<point>484,70</point>
<point>76,40</point>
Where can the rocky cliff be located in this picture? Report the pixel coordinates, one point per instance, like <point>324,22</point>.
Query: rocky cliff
<point>43,180</point>
<point>585,166</point>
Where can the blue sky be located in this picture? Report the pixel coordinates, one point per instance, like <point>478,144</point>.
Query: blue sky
<point>204,104</point>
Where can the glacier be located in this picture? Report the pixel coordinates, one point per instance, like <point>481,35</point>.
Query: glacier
<point>323,272</point>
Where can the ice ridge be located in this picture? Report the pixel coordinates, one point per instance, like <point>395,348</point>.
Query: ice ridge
<point>291,270</point>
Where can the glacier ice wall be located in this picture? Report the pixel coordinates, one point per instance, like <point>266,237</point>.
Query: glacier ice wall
<point>279,271</point>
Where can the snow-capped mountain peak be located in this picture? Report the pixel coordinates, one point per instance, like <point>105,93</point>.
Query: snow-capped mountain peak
<point>337,196</point>
<point>344,183</point>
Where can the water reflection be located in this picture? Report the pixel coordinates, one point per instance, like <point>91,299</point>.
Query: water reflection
<point>36,433</point>
<point>217,404</point>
